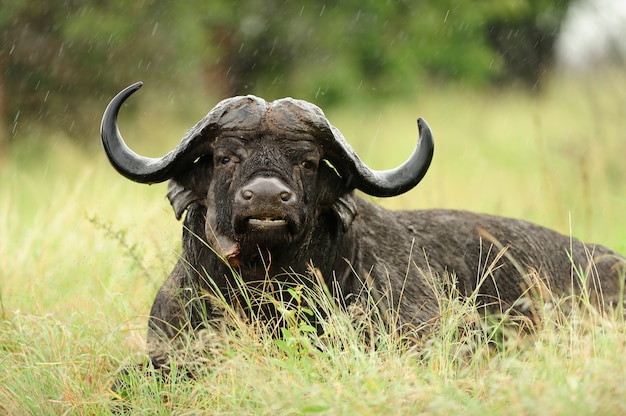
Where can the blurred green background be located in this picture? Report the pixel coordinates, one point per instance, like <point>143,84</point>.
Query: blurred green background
<point>61,60</point>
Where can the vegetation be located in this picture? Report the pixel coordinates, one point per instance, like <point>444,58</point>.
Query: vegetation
<point>83,252</point>
<point>59,58</point>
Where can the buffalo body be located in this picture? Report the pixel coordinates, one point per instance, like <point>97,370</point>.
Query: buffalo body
<point>267,192</point>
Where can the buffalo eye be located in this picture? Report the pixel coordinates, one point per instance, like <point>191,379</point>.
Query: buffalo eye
<point>308,164</point>
<point>225,160</point>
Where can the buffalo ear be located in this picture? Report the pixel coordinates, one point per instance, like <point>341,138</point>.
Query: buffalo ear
<point>181,197</point>
<point>336,195</point>
<point>191,186</point>
<point>345,209</point>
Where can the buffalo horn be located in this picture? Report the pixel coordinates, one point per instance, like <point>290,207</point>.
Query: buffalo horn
<point>391,182</point>
<point>140,168</point>
<point>357,175</point>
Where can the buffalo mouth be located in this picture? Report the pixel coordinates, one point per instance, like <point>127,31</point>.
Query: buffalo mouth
<point>266,228</point>
<point>258,235</point>
<point>274,231</point>
<point>266,223</point>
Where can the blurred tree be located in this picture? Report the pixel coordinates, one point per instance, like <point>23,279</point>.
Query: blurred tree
<point>58,56</point>
<point>524,33</point>
<point>251,43</point>
<point>333,49</point>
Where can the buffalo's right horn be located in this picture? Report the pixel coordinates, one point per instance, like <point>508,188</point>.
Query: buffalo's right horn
<point>140,168</point>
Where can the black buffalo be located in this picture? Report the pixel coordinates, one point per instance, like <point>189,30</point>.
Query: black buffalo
<point>267,190</point>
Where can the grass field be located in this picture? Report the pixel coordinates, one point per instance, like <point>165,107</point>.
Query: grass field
<point>83,252</point>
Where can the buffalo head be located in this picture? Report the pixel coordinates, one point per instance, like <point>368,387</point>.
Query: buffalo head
<point>265,172</point>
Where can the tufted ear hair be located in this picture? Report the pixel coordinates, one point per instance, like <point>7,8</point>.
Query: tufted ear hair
<point>345,209</point>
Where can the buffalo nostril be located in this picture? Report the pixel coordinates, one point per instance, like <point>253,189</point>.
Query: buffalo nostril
<point>247,194</point>
<point>285,196</point>
<point>265,192</point>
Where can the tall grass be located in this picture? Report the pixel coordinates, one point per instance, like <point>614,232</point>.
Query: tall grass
<point>83,252</point>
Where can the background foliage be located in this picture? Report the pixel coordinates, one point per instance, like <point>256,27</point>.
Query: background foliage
<point>60,59</point>
<point>83,251</point>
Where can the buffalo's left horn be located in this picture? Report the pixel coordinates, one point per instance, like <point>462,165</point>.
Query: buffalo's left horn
<point>388,182</point>
<point>133,166</point>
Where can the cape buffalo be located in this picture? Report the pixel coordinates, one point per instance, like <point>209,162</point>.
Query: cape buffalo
<point>267,190</point>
